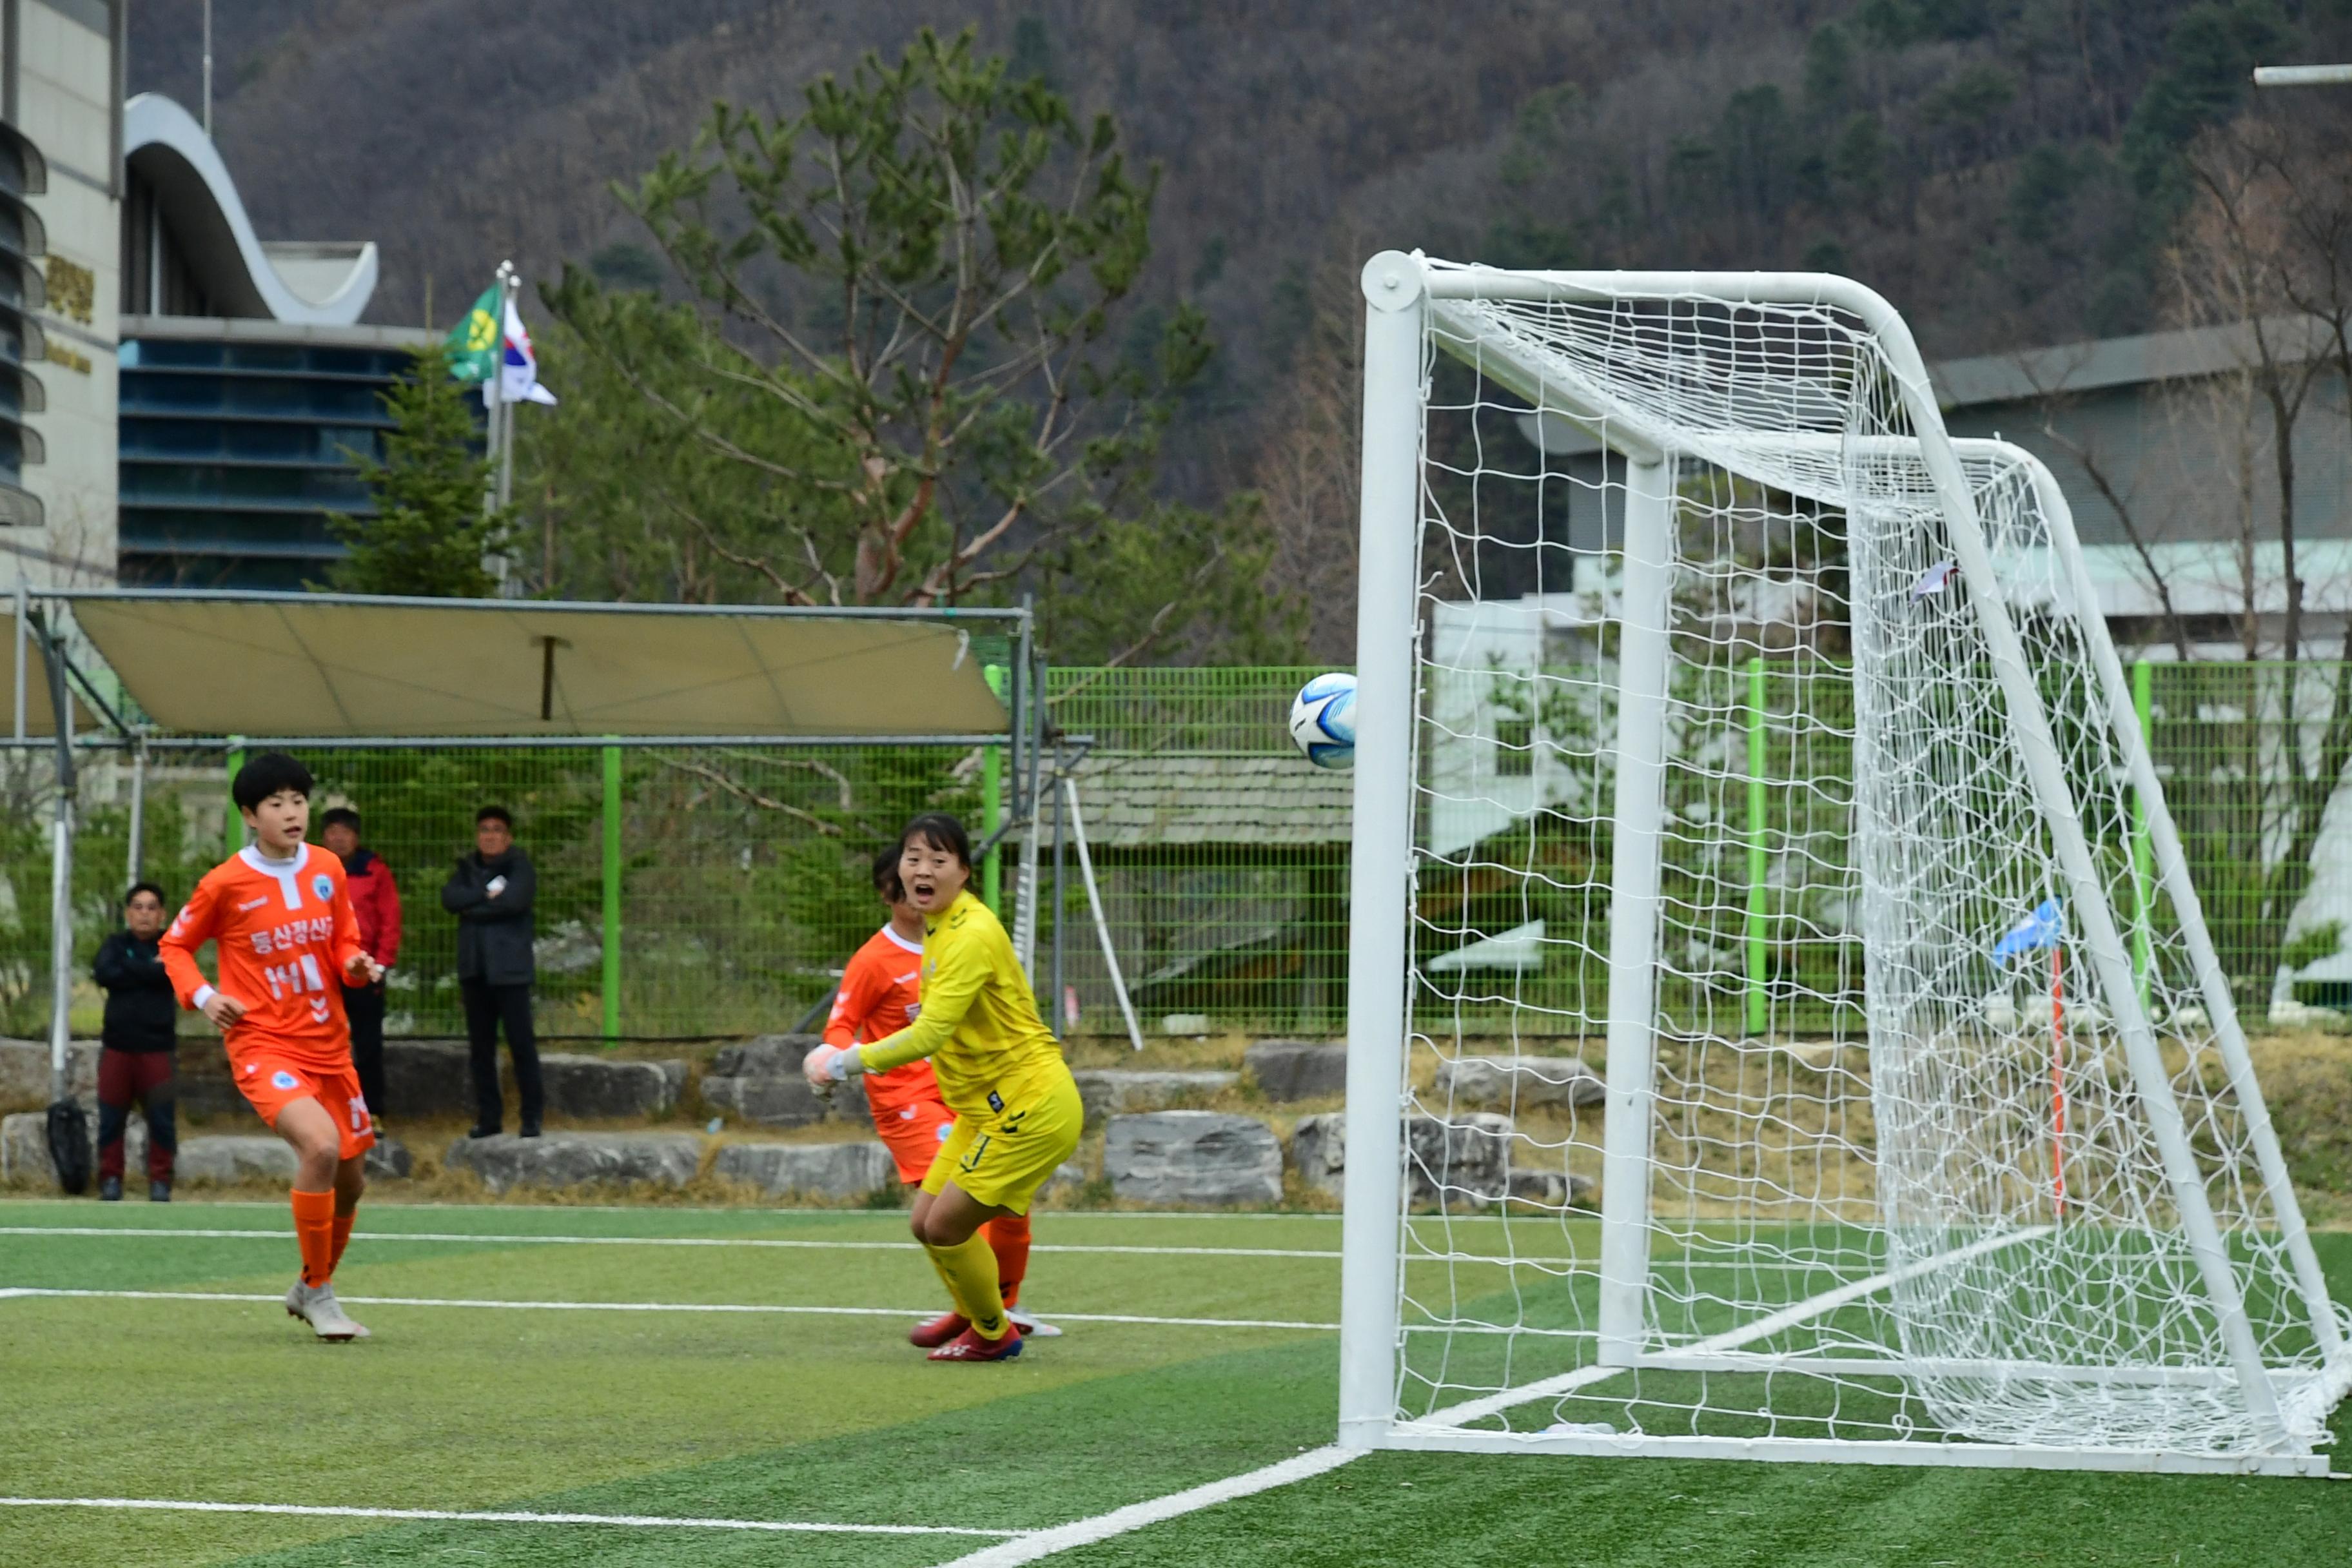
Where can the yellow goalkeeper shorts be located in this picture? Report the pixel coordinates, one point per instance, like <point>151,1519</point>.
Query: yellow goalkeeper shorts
<point>1000,1158</point>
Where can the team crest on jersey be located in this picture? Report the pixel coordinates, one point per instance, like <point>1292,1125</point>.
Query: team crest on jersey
<point>281,1078</point>
<point>322,887</point>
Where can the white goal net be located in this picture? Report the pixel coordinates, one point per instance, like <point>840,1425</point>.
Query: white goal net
<point>1808,1044</point>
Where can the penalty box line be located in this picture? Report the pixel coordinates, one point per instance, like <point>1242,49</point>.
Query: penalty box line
<point>505,1516</point>
<point>911,1314</point>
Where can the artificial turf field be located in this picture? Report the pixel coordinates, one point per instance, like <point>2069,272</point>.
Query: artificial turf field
<point>827,1418</point>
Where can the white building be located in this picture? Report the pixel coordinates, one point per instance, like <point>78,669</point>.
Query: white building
<point>60,238</point>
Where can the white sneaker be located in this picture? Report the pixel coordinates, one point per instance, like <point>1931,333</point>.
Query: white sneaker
<point>1032,1327</point>
<point>325,1315</point>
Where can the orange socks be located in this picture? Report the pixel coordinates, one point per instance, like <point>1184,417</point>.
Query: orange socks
<point>1008,1237</point>
<point>314,1228</point>
<point>342,1239</point>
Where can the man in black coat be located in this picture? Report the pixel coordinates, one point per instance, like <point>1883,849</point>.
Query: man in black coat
<point>137,1045</point>
<point>490,893</point>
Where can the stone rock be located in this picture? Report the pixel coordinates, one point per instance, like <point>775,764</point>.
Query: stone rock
<point>1296,1069</point>
<point>1196,1158</point>
<point>578,1159</point>
<point>1109,1090</point>
<point>235,1157</point>
<point>765,1056</point>
<point>24,1071</point>
<point>425,1079</point>
<point>811,1169</point>
<point>603,1088</point>
<point>782,1099</point>
<point>24,1148</point>
<point>389,1157</point>
<point>1554,1189</point>
<point>1524,1082</point>
<point>1465,1158</point>
<point>1068,1178</point>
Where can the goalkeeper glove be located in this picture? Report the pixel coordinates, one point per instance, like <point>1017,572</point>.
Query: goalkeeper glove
<point>829,1065</point>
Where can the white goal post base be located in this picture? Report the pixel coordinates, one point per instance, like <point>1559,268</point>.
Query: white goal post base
<point>1424,1438</point>
<point>1809,733</point>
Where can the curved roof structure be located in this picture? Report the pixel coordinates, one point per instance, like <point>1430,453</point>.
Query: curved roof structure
<point>320,284</point>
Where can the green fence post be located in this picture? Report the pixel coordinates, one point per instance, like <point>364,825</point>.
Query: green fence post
<point>233,825</point>
<point>611,893</point>
<point>1758,865</point>
<point>2143,856</point>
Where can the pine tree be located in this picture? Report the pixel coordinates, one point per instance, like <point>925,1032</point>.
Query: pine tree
<point>429,535</point>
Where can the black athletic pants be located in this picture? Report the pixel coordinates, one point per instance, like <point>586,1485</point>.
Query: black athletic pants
<point>487,1007</point>
<point>363,1006</point>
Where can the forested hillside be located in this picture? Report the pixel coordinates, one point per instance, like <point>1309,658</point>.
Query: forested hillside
<point>2006,171</point>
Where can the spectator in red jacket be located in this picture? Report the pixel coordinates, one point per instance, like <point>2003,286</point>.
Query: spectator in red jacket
<point>375,899</point>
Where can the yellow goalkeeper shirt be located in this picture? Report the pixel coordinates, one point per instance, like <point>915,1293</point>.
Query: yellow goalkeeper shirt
<point>978,1021</point>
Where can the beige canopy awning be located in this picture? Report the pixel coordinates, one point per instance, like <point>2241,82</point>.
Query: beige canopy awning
<point>325,665</point>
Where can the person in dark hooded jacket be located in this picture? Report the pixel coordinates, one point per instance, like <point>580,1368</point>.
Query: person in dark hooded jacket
<point>375,899</point>
<point>137,1046</point>
<point>490,892</point>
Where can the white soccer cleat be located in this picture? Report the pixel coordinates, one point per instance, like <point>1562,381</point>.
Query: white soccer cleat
<point>325,1315</point>
<point>1032,1327</point>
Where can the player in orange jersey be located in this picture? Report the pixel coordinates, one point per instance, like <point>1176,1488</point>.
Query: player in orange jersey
<point>881,992</point>
<point>289,942</point>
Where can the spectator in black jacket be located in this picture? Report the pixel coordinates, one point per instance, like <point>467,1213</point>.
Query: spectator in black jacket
<point>136,1056</point>
<point>490,893</point>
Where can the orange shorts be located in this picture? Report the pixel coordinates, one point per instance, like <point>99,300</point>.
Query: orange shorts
<point>913,1133</point>
<point>271,1081</point>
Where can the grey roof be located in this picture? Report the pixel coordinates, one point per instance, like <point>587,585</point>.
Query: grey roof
<point>2122,361</point>
<point>1134,801</point>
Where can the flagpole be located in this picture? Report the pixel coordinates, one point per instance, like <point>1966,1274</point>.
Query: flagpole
<point>513,286</point>
<point>494,398</point>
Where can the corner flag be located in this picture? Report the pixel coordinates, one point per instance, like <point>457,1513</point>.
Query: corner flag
<point>2039,928</point>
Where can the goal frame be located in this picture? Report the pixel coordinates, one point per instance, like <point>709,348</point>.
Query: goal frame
<point>1405,297</point>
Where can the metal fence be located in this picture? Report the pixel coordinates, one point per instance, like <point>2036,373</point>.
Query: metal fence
<point>694,892</point>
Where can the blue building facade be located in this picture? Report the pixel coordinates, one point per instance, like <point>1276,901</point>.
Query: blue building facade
<point>240,442</point>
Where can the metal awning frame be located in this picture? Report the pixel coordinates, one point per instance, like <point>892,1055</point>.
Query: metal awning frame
<point>1025,737</point>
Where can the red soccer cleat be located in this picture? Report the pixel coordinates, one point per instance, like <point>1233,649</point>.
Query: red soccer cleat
<point>969,1346</point>
<point>938,1332</point>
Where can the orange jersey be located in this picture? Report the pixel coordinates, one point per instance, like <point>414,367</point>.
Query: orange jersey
<point>881,992</point>
<point>285,934</point>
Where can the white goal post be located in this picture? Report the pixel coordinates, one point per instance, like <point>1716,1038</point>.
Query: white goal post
<point>1807,787</point>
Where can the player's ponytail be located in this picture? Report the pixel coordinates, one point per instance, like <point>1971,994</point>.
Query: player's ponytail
<point>937,830</point>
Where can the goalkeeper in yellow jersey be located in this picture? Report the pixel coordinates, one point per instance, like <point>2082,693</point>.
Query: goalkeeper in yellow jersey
<point>999,1071</point>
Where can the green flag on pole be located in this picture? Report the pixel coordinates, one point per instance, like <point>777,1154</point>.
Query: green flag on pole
<point>473,343</point>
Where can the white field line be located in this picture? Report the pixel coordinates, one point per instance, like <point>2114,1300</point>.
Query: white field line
<point>750,1241</point>
<point>912,1315</point>
<point>1747,1333</point>
<point>505,1516</point>
<point>1137,1516</point>
<point>1196,1215</point>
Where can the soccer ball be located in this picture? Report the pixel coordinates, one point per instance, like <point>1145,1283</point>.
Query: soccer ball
<point>1323,720</point>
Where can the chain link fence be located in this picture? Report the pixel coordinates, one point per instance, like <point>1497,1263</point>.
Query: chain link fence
<point>693,892</point>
